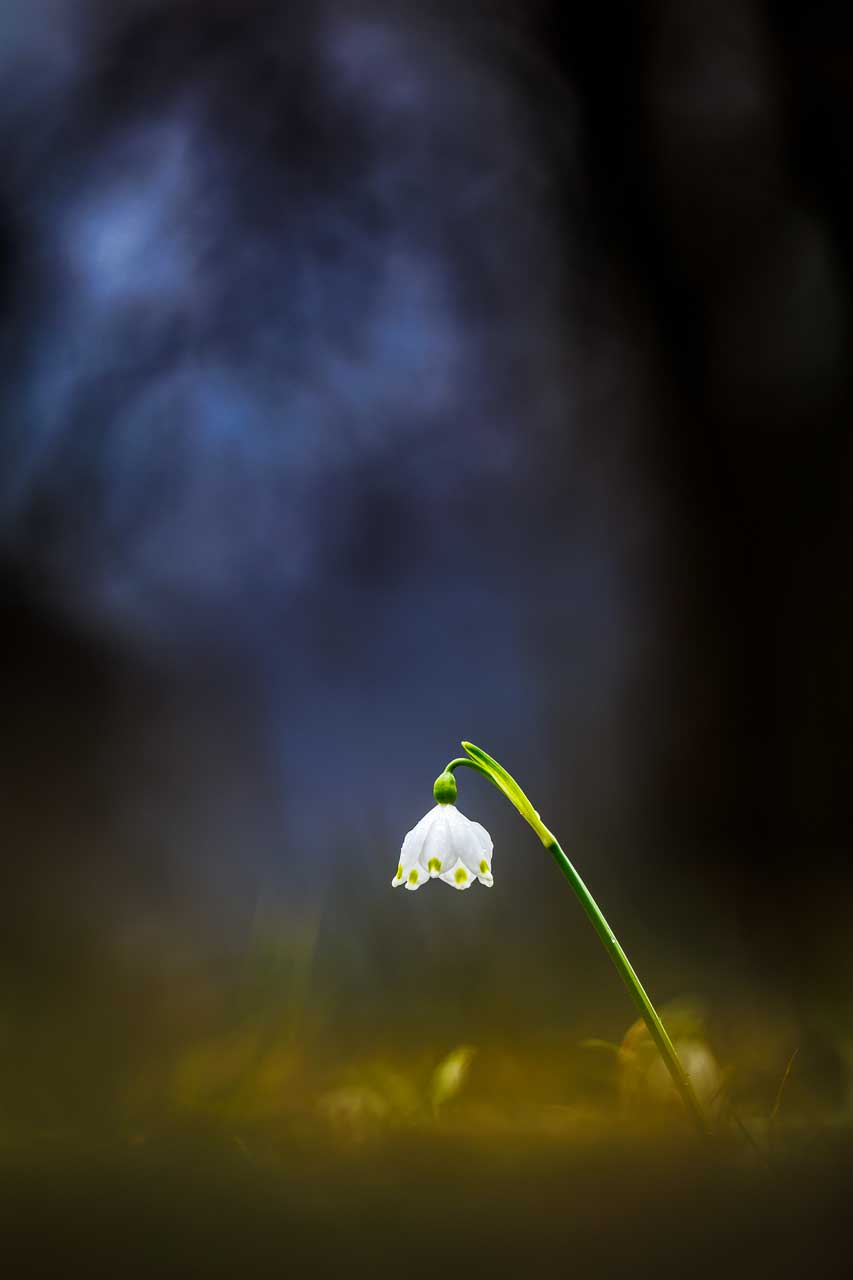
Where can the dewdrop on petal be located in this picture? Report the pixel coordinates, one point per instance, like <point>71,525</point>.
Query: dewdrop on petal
<point>445,845</point>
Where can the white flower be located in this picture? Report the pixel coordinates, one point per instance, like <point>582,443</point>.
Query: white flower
<point>448,845</point>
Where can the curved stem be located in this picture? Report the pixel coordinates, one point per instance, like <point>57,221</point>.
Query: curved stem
<point>637,991</point>
<point>507,785</point>
<point>472,764</point>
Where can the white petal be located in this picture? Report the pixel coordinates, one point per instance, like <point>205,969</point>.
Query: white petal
<point>417,835</point>
<point>412,847</point>
<point>437,853</point>
<point>458,876</point>
<point>415,877</point>
<point>472,844</point>
<point>484,866</point>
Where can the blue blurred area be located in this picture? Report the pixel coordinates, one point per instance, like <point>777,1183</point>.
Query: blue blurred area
<point>374,379</point>
<point>289,369</point>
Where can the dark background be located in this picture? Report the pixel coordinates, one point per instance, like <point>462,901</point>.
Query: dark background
<point>377,376</point>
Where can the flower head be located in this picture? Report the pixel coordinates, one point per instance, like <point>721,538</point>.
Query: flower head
<point>448,846</point>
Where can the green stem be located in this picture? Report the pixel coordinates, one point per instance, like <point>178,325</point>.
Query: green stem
<point>637,991</point>
<point>496,773</point>
<point>471,764</point>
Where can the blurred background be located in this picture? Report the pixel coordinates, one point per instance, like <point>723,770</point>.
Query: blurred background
<point>376,376</point>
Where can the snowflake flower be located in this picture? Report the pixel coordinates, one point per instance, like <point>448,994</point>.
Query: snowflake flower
<point>445,845</point>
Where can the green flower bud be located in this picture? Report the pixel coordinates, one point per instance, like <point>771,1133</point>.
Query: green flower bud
<point>444,789</point>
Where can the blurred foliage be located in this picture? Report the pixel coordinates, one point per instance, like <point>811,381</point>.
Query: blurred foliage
<point>140,1050</point>
<point>214,1108</point>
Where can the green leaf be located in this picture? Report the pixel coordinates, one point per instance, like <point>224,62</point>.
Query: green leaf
<point>510,788</point>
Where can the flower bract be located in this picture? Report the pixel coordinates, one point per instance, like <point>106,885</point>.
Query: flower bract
<point>445,845</point>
